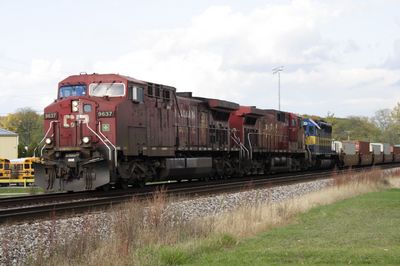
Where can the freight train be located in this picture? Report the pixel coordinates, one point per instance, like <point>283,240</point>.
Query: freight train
<point>108,130</point>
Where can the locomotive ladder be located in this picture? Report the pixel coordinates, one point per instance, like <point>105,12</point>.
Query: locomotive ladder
<point>104,139</point>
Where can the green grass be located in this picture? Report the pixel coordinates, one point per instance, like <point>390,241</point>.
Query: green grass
<point>362,230</point>
<point>19,190</point>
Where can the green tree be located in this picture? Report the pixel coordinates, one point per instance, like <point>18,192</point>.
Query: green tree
<point>2,119</point>
<point>394,129</point>
<point>383,119</point>
<point>29,126</point>
<point>331,119</point>
<point>355,128</point>
<point>388,121</point>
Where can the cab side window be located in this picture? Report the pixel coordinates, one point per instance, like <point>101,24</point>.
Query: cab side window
<point>137,94</point>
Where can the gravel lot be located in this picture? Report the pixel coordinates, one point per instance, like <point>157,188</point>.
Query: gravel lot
<point>26,239</point>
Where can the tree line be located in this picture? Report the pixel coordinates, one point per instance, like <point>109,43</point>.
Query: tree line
<point>384,126</point>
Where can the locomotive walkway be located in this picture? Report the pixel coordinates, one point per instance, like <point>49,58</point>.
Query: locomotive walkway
<point>59,204</point>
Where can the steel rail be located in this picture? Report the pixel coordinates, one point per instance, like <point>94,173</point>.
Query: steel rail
<point>65,196</point>
<point>190,189</point>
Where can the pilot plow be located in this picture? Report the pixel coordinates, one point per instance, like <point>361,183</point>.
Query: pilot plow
<point>55,176</point>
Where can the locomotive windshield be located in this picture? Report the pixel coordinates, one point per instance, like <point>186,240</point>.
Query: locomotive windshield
<point>107,89</point>
<point>72,90</point>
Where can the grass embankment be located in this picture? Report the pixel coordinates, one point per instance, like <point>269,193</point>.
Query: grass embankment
<point>19,191</point>
<point>361,230</point>
<point>358,230</point>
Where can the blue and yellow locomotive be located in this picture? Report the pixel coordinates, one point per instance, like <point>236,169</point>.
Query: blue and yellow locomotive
<point>318,140</point>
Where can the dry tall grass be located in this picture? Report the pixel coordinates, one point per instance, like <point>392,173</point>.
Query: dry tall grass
<point>140,227</point>
<point>136,224</point>
<point>250,220</point>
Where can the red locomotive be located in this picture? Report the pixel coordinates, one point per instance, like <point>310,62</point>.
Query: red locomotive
<point>105,130</point>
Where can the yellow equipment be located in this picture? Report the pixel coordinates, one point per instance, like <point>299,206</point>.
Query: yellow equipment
<point>22,171</point>
<point>5,172</point>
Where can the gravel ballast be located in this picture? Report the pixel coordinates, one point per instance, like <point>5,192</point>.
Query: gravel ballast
<point>19,241</point>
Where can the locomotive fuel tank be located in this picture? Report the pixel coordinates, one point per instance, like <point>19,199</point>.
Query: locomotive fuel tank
<point>180,168</point>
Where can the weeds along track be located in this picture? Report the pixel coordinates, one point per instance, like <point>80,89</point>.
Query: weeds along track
<point>59,204</point>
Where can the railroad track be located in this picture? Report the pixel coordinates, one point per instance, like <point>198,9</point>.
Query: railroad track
<point>58,204</point>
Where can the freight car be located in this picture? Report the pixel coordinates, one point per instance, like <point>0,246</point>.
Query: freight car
<point>362,153</point>
<point>113,130</point>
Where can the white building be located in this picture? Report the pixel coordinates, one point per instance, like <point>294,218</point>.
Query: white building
<point>8,144</point>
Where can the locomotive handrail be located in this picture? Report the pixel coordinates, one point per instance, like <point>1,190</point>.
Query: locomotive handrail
<point>97,135</point>
<point>240,146</point>
<point>45,135</point>
<point>236,139</point>
<point>115,148</point>
<point>250,146</point>
<point>41,150</point>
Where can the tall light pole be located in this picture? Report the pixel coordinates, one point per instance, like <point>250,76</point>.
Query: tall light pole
<point>348,133</point>
<point>278,70</point>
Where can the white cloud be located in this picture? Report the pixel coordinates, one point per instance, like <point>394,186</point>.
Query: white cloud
<point>393,61</point>
<point>228,54</point>
<point>35,88</point>
<point>221,44</point>
<point>330,65</point>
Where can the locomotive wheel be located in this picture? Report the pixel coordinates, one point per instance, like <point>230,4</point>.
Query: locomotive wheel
<point>123,185</point>
<point>106,187</point>
<point>140,183</point>
<point>205,179</point>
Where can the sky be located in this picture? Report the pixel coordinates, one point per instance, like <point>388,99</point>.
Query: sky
<point>339,57</point>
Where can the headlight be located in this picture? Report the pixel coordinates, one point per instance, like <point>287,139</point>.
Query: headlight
<point>85,140</point>
<point>48,141</point>
<point>75,104</point>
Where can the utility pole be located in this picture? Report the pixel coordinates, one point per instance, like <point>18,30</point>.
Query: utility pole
<point>348,133</point>
<point>278,70</point>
